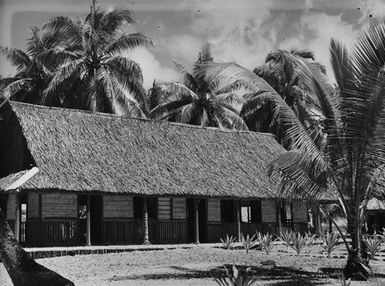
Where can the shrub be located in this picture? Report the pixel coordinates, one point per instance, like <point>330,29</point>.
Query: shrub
<point>248,242</point>
<point>228,242</point>
<point>266,241</point>
<point>236,278</point>
<point>287,238</point>
<point>373,245</point>
<point>298,243</point>
<point>330,241</point>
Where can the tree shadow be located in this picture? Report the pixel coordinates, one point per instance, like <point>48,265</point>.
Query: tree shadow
<point>289,275</point>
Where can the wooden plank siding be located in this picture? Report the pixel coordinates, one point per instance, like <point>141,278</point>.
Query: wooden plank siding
<point>117,206</point>
<point>11,207</point>
<point>33,205</point>
<point>214,210</point>
<point>59,206</point>
<point>300,212</point>
<point>269,211</point>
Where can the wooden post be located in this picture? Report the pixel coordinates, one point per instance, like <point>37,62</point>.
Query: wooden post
<point>88,239</point>
<point>196,220</point>
<point>319,220</point>
<point>146,237</point>
<point>238,219</point>
<point>17,217</point>
<point>279,219</point>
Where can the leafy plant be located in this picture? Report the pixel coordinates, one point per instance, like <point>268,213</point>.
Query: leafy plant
<point>287,238</point>
<point>343,280</point>
<point>330,241</point>
<point>310,238</point>
<point>228,242</point>
<point>266,241</point>
<point>298,243</point>
<point>373,245</point>
<point>248,242</point>
<point>236,278</point>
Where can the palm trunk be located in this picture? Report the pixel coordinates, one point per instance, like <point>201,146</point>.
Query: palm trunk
<point>357,266</point>
<point>21,267</point>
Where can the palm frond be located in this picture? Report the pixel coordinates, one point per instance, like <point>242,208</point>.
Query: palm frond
<point>128,43</point>
<point>12,88</point>
<point>186,78</point>
<point>295,131</point>
<point>115,19</point>
<point>17,57</point>
<point>66,71</point>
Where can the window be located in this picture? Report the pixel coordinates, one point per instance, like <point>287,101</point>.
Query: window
<point>251,212</point>
<point>286,214</point>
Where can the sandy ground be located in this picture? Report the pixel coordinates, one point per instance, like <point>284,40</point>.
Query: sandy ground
<point>198,266</point>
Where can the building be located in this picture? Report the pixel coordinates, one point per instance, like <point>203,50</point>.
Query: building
<point>72,177</point>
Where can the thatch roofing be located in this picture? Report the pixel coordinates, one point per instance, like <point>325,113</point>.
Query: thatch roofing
<point>79,151</point>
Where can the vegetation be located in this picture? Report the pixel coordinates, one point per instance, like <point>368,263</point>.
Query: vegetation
<point>373,246</point>
<point>287,238</point>
<point>249,242</point>
<point>330,241</point>
<point>227,243</point>
<point>237,277</point>
<point>266,241</point>
<point>196,101</point>
<point>334,136</point>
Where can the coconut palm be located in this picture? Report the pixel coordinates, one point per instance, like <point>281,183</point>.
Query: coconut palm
<point>195,101</point>
<point>292,75</point>
<point>32,75</point>
<point>95,63</point>
<point>352,154</point>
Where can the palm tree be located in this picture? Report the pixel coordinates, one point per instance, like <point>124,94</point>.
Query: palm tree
<point>194,101</point>
<point>96,72</point>
<point>352,154</point>
<point>291,74</point>
<point>32,75</point>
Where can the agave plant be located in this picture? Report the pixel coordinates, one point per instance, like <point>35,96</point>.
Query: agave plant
<point>310,238</point>
<point>330,241</point>
<point>373,245</point>
<point>298,243</point>
<point>227,243</point>
<point>236,278</point>
<point>249,242</point>
<point>266,241</point>
<point>287,238</point>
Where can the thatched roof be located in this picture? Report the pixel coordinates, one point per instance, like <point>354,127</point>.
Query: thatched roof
<point>79,151</point>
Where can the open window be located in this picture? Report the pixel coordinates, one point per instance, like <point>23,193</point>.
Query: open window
<point>251,211</point>
<point>286,210</point>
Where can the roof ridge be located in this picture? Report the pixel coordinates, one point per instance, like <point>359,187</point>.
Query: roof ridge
<point>120,117</point>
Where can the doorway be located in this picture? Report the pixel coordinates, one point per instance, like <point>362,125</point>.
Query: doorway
<point>96,218</point>
<point>202,208</point>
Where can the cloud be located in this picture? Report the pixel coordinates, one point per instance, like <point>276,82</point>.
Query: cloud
<point>151,67</point>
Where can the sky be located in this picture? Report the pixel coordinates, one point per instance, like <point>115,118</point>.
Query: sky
<point>241,31</point>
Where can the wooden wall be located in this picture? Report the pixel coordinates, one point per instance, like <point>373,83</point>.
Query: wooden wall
<point>120,206</point>
<point>11,207</point>
<point>214,210</point>
<point>164,208</point>
<point>269,213</point>
<point>33,205</point>
<point>179,208</point>
<point>299,211</point>
<point>59,205</point>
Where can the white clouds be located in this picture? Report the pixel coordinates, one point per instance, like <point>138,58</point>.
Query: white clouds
<point>151,67</point>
